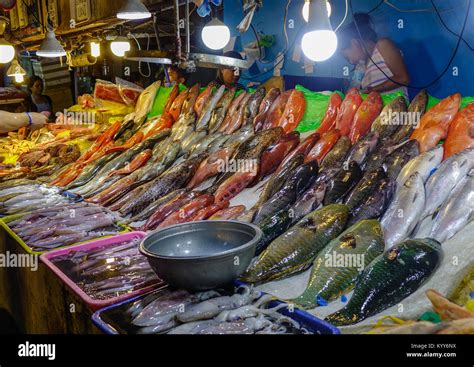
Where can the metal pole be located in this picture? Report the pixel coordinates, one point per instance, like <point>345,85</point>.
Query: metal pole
<point>188,33</point>
<point>178,33</point>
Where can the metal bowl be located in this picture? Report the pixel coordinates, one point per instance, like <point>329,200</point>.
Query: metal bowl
<point>201,255</point>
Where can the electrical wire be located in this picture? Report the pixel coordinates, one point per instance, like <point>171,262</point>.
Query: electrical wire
<point>447,28</point>
<point>345,17</point>
<point>411,86</point>
<point>140,62</point>
<point>376,7</point>
<point>285,31</point>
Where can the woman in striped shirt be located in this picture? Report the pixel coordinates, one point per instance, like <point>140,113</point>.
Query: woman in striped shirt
<point>357,42</point>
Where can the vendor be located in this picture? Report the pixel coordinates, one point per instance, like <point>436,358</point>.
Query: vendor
<point>357,42</point>
<point>37,101</point>
<point>14,121</point>
<point>176,75</point>
<point>230,75</point>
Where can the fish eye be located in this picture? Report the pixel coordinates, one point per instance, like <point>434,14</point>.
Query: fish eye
<point>393,253</point>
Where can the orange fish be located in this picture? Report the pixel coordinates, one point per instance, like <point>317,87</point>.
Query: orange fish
<point>188,211</point>
<point>294,112</point>
<point>173,95</point>
<point>365,116</point>
<point>276,110</point>
<point>229,213</point>
<point>461,132</point>
<point>209,211</point>
<point>231,112</point>
<point>202,99</point>
<point>329,120</point>
<point>347,111</point>
<point>435,123</point>
<point>177,105</point>
<point>233,186</point>
<point>323,146</point>
<point>135,139</point>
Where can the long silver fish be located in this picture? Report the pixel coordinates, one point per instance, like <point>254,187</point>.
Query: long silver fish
<point>445,179</point>
<point>424,164</point>
<point>404,212</point>
<point>203,122</point>
<point>455,213</point>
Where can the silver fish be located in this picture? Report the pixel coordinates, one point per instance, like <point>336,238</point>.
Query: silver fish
<point>424,164</point>
<point>206,114</point>
<point>455,213</point>
<point>404,212</point>
<point>445,179</point>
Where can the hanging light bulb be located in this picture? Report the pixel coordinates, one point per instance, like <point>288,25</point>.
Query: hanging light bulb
<point>320,42</point>
<point>51,46</point>
<point>215,35</point>
<point>95,48</point>
<point>19,78</point>
<point>120,46</point>
<point>7,51</point>
<point>306,9</point>
<point>134,9</point>
<point>16,70</point>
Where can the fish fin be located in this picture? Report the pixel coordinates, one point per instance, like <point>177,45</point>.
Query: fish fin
<point>341,318</point>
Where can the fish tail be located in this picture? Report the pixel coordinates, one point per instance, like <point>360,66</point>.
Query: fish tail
<point>307,300</point>
<point>341,318</point>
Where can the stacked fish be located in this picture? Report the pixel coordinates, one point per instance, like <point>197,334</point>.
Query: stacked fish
<point>52,227</point>
<point>383,180</point>
<point>179,312</point>
<point>106,272</point>
<point>28,196</point>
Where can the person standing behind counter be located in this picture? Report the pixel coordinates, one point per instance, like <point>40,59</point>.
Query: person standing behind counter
<point>383,52</point>
<point>229,76</point>
<point>37,101</point>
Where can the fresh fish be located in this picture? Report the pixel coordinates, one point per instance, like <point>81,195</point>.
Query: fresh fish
<point>415,111</point>
<point>361,150</point>
<point>376,203</point>
<point>186,212</point>
<point>219,113</point>
<point>455,213</point>
<point>388,121</point>
<point>376,158</point>
<point>296,249</point>
<point>219,143</point>
<point>424,164</point>
<point>272,227</point>
<point>233,185</point>
<point>394,163</point>
<point>203,145</point>
<point>174,178</point>
<point>435,123</point>
<point>205,116</point>
<point>229,213</point>
<point>265,106</point>
<point>153,207</point>
<point>329,121</point>
<point>209,211</point>
<point>304,148</point>
<point>188,143</point>
<point>335,157</point>
<point>405,211</point>
<point>323,146</point>
<point>364,188</point>
<point>389,279</point>
<point>333,274</point>
<point>302,178</point>
<point>276,110</point>
<point>145,101</point>
<point>342,183</point>
<point>365,116</point>
<point>202,99</point>
<point>238,118</point>
<point>277,180</point>
<point>275,154</point>
<point>92,169</point>
<point>253,106</point>
<point>460,132</point>
<point>347,111</point>
<point>314,196</point>
<point>294,111</point>
<point>445,179</point>
<point>231,112</point>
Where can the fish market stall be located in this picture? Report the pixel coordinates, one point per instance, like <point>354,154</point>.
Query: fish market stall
<point>171,203</point>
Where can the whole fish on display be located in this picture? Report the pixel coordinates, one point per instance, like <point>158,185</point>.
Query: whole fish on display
<point>296,249</point>
<point>342,183</point>
<point>389,121</point>
<point>389,279</point>
<point>362,242</point>
<point>365,116</point>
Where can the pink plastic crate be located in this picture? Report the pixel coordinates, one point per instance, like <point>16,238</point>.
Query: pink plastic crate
<point>95,304</point>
